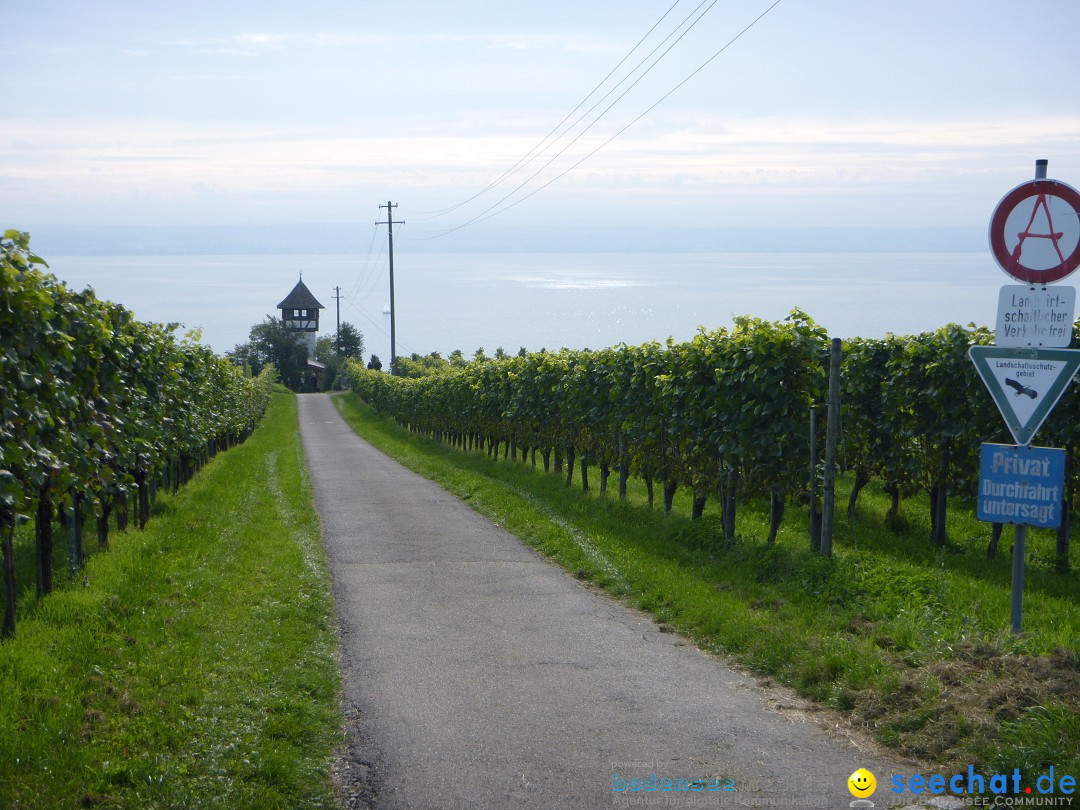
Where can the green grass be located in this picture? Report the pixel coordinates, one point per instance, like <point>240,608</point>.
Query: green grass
<point>909,640</point>
<point>193,664</point>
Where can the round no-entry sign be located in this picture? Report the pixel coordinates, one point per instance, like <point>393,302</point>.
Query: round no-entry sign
<point>1035,231</point>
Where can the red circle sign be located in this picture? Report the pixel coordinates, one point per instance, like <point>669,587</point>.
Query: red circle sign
<point>1035,231</point>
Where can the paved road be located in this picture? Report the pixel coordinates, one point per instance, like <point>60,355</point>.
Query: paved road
<point>479,675</point>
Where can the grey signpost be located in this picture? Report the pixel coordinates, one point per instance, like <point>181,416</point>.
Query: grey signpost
<point>1035,238</point>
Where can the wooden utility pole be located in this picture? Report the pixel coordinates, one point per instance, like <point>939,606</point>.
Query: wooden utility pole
<point>393,309</point>
<point>337,334</point>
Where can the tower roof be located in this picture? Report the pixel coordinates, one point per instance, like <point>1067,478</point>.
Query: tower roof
<point>300,298</point>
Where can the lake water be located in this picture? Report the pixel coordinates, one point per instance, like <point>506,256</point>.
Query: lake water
<point>464,301</point>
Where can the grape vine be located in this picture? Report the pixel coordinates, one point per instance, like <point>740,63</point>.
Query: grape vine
<point>726,413</point>
<point>98,407</point>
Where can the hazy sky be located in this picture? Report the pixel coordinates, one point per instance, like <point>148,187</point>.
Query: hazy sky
<point>826,112</point>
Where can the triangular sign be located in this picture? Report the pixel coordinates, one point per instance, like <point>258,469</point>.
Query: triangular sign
<point>1026,384</point>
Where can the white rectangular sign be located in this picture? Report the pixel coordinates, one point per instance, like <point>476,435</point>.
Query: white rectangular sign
<point>1035,316</point>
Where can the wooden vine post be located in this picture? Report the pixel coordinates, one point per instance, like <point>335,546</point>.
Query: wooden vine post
<point>815,518</point>
<point>832,433</point>
<point>7,531</point>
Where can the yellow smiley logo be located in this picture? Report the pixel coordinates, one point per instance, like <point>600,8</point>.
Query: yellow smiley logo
<point>862,783</point>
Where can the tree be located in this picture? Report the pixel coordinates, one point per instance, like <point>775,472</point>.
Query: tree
<point>350,342</point>
<point>324,350</point>
<point>246,355</point>
<point>283,347</point>
<point>333,353</point>
<point>375,364</point>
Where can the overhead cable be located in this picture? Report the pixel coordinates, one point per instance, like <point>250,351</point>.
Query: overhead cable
<point>490,212</point>
<point>529,155</point>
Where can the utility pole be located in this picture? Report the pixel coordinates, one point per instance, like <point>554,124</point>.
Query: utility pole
<point>393,309</point>
<point>337,334</point>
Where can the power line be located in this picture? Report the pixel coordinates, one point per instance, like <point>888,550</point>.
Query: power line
<point>367,280</point>
<point>529,155</point>
<point>372,281</point>
<point>480,217</point>
<point>606,110</point>
<point>352,302</point>
<point>365,267</point>
<point>368,283</point>
<point>489,213</point>
<point>376,326</point>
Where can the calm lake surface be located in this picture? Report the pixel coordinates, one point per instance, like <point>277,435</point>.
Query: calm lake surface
<point>464,301</point>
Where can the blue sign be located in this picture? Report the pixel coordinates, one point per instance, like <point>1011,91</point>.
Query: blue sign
<point>1022,485</point>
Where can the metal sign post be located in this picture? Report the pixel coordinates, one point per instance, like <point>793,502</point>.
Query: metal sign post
<point>1016,607</point>
<point>1035,238</point>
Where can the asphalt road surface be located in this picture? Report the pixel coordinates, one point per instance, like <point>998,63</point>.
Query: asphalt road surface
<point>479,675</point>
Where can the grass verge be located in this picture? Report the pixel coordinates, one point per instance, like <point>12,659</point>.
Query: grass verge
<point>194,664</point>
<point>908,639</point>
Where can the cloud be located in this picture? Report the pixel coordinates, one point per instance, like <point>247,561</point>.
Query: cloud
<point>263,39</point>
<point>759,162</point>
<point>251,43</point>
<point>247,44</point>
<point>535,42</point>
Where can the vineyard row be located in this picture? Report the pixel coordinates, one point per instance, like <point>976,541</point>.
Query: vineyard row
<point>99,409</point>
<point>727,413</point>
